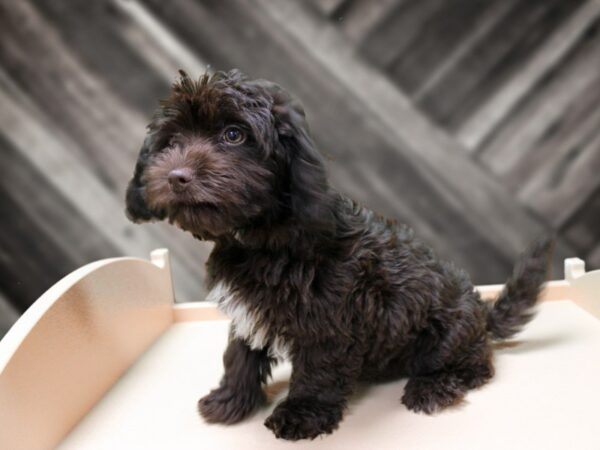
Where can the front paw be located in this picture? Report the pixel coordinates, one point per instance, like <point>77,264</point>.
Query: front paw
<point>229,405</point>
<point>304,418</point>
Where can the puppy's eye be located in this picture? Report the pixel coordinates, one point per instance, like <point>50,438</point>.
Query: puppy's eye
<point>233,135</point>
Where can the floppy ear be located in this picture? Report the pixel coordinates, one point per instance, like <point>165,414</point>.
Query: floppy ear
<point>137,210</point>
<point>310,198</point>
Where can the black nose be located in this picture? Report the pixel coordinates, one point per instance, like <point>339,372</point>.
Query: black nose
<point>179,179</point>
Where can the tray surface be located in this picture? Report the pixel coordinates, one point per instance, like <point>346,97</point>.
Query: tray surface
<point>544,395</point>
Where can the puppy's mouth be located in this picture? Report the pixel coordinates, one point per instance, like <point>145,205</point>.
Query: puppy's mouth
<point>195,207</point>
<point>205,220</point>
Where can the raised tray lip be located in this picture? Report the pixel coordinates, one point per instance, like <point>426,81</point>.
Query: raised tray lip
<point>36,311</point>
<point>32,315</point>
<point>201,310</point>
<point>555,290</point>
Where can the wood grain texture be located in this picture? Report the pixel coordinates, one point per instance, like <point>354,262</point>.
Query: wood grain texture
<point>495,58</point>
<point>473,121</point>
<point>547,150</point>
<point>593,257</point>
<point>550,57</point>
<point>416,186</point>
<point>416,68</point>
<point>464,187</point>
<point>360,17</point>
<point>61,116</point>
<point>397,30</point>
<point>8,315</point>
<point>331,7</point>
<point>583,229</point>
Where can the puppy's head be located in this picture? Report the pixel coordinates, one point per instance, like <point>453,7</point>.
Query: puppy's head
<point>225,153</point>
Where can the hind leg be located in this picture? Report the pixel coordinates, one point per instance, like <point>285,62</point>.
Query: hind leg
<point>432,392</point>
<point>453,354</point>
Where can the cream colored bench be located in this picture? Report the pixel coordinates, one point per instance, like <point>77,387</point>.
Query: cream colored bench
<point>106,360</point>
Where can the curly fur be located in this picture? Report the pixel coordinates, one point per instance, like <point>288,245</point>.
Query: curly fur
<point>306,272</point>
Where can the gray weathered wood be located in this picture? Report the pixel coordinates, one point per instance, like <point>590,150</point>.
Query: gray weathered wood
<point>583,228</point>
<point>494,60</point>
<point>397,30</point>
<point>475,130</point>
<point>155,43</point>
<point>429,199</point>
<point>394,89</point>
<point>330,7</point>
<point>550,115</point>
<point>569,177</point>
<point>93,129</point>
<point>8,315</point>
<point>362,16</point>
<point>462,35</point>
<point>545,150</point>
<point>462,184</point>
<point>447,28</point>
<point>593,258</point>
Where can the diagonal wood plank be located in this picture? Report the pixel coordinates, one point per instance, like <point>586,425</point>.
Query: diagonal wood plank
<point>39,228</point>
<point>362,16</point>
<point>594,257</point>
<point>40,205</point>
<point>483,121</point>
<point>548,116</point>
<point>91,129</point>
<point>397,29</point>
<point>463,184</point>
<point>370,167</point>
<point>8,315</point>
<point>28,266</point>
<point>545,150</point>
<point>68,175</point>
<point>583,227</point>
<point>493,60</point>
<point>155,43</point>
<point>88,31</point>
<point>569,176</point>
<point>462,32</point>
<point>330,7</point>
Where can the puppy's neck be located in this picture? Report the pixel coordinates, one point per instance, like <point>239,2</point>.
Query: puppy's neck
<point>281,230</point>
<point>276,237</point>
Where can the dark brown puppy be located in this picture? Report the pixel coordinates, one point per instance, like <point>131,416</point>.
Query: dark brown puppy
<point>306,273</point>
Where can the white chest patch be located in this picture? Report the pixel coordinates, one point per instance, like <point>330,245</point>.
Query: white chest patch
<point>245,323</point>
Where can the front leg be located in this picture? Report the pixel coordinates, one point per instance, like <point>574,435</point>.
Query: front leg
<point>240,391</point>
<point>322,379</point>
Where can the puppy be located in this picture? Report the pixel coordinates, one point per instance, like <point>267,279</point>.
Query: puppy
<point>306,273</point>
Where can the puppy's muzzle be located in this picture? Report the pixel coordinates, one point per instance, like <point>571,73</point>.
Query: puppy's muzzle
<point>180,179</point>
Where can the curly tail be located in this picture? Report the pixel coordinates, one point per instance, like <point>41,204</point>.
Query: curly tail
<point>514,307</point>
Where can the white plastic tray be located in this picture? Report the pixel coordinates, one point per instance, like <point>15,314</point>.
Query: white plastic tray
<point>105,360</point>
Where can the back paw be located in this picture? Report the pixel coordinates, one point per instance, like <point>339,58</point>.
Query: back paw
<point>432,393</point>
